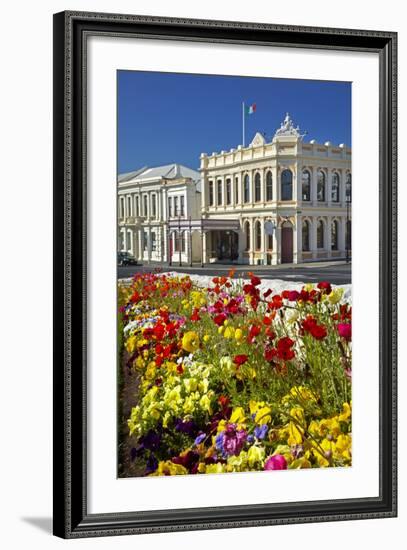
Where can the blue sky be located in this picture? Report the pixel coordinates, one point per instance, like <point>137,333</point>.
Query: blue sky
<point>166,117</point>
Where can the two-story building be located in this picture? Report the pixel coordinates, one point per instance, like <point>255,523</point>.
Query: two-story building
<point>291,198</point>
<point>150,202</point>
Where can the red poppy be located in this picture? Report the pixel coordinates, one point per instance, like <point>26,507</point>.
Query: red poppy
<point>195,315</point>
<point>219,319</point>
<point>240,359</point>
<point>345,331</point>
<point>266,320</point>
<point>293,295</point>
<point>255,280</point>
<point>267,293</point>
<point>284,350</point>
<point>325,286</point>
<point>270,354</point>
<point>319,332</point>
<point>253,332</point>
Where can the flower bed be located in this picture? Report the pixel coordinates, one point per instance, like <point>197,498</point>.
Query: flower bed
<point>232,377</point>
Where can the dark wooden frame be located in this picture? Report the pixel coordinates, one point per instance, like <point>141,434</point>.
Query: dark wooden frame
<point>71,518</point>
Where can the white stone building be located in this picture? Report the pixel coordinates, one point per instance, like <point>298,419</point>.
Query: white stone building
<point>291,199</point>
<point>152,203</point>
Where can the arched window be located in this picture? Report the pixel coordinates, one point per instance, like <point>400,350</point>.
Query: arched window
<point>335,187</point>
<point>305,236</point>
<point>247,233</point>
<point>257,188</point>
<point>320,234</point>
<point>321,186</point>
<point>306,186</point>
<point>257,232</point>
<point>211,195</point>
<point>269,186</point>
<point>286,185</point>
<point>220,199</point>
<point>228,192</point>
<point>348,187</point>
<point>246,190</point>
<point>334,235</point>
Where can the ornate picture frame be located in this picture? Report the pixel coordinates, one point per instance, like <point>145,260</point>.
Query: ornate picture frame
<point>71,33</point>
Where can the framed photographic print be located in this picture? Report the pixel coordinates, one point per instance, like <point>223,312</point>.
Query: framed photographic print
<point>224,274</point>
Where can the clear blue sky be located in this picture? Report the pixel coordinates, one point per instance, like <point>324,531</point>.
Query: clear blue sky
<point>166,117</point>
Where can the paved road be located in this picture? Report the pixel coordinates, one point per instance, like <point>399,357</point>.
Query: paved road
<point>337,273</point>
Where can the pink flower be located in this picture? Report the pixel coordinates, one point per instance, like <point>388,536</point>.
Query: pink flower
<point>276,462</point>
<point>345,331</point>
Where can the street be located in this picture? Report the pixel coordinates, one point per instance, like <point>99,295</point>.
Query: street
<point>338,273</point>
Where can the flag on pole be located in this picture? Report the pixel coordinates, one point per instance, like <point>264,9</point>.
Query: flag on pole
<point>250,109</point>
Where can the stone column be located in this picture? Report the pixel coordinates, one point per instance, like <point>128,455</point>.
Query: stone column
<point>252,243</point>
<point>313,236</point>
<point>297,238</point>
<point>204,191</point>
<point>328,189</point>
<point>328,236</point>
<point>277,243</point>
<point>263,241</point>
<point>314,184</point>
<point>149,244</point>
<point>204,247</point>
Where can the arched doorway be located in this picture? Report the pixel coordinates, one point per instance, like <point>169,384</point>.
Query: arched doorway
<point>287,255</point>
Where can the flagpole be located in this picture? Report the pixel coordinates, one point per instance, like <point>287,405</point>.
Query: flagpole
<point>243,121</point>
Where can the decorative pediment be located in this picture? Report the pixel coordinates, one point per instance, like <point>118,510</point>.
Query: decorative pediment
<point>258,139</point>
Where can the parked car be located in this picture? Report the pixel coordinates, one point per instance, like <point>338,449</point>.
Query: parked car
<point>125,258</point>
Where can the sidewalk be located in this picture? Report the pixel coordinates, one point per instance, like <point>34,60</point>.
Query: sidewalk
<point>246,267</point>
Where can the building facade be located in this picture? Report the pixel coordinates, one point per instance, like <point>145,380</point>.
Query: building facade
<point>150,201</point>
<point>282,201</point>
<point>292,200</point>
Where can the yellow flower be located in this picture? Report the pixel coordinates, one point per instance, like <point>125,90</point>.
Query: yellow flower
<point>217,468</point>
<point>346,412</point>
<point>263,415</point>
<point>206,338</point>
<point>336,295</point>
<point>167,467</point>
<point>239,334</point>
<point>237,415</point>
<point>255,454</point>
<point>221,329</point>
<point>131,344</point>
<point>229,332</point>
<point>190,341</point>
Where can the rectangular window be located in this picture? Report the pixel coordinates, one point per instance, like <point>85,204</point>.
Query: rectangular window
<point>236,190</point>
<point>121,207</point>
<point>182,205</point>
<point>145,206</point>
<point>170,207</point>
<point>270,242</point>
<point>154,205</point>
<point>176,211</point>
<point>220,201</point>
<point>211,193</point>
<point>153,241</point>
<point>137,206</point>
<point>145,240</point>
<point>228,192</point>
<point>129,209</point>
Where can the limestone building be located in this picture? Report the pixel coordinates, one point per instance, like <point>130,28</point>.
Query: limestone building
<point>291,199</point>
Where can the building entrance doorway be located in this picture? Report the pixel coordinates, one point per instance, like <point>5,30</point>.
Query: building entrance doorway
<point>225,245</point>
<point>287,243</point>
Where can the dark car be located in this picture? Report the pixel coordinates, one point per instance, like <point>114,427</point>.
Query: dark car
<point>125,258</point>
